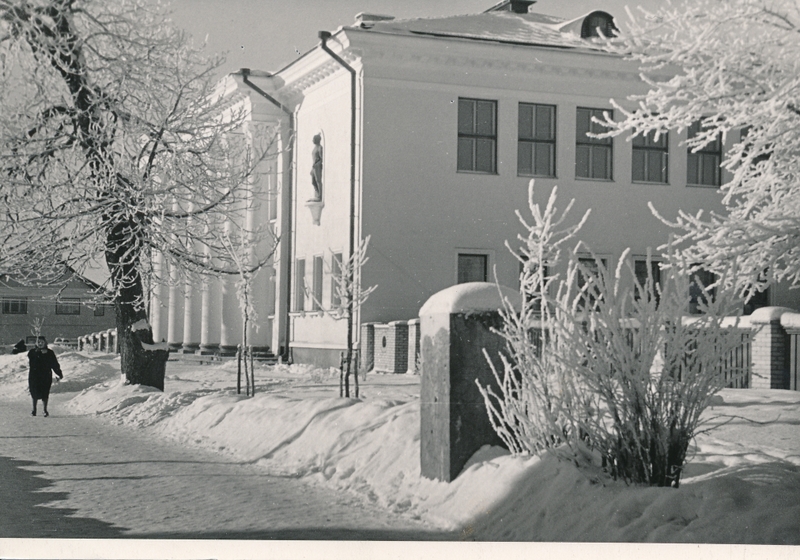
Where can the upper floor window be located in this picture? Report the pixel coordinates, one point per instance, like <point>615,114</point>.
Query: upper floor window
<point>536,151</point>
<point>650,158</point>
<point>593,156</point>
<point>15,306</point>
<point>702,166</point>
<point>477,135</point>
<point>68,306</point>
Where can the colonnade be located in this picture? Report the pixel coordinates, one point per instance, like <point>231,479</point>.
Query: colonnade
<point>204,317</point>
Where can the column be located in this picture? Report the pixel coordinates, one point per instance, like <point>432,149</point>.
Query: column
<point>158,300</point>
<point>192,311</point>
<point>175,315</point>
<point>210,321</point>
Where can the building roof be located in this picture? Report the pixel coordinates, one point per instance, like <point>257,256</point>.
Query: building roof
<point>496,26</point>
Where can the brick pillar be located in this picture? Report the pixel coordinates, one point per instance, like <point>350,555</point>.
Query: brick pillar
<point>455,327</point>
<point>391,347</point>
<point>770,366</point>
<point>791,324</point>
<point>368,346</point>
<point>413,345</point>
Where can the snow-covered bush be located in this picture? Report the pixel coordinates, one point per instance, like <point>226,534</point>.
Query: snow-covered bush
<point>601,365</point>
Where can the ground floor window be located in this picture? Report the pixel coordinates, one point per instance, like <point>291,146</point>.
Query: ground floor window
<point>316,302</point>
<point>702,281</point>
<point>336,274</point>
<point>68,306</point>
<point>473,267</point>
<point>589,280</point>
<point>300,285</point>
<point>15,306</point>
<point>640,269</point>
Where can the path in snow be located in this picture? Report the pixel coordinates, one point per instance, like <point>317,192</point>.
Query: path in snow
<point>74,476</point>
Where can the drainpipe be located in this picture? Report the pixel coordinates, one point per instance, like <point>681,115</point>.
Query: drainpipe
<point>287,184</point>
<point>324,36</point>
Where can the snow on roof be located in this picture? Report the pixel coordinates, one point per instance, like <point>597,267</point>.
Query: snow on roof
<point>505,27</point>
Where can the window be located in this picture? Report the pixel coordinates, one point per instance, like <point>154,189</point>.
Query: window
<point>336,274</point>
<point>593,156</point>
<point>300,285</point>
<point>477,135</point>
<point>591,267</point>
<point>640,270</point>
<point>650,158</point>
<point>15,306</point>
<point>472,267</point>
<point>757,301</point>
<point>536,148</point>
<point>68,306</point>
<point>316,301</point>
<point>100,310</point>
<point>601,20</point>
<point>702,166</point>
<point>533,291</point>
<point>760,298</point>
<point>696,296</point>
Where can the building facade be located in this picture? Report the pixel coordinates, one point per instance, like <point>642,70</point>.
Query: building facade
<point>66,309</point>
<point>423,134</point>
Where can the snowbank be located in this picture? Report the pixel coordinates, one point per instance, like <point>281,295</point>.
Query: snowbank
<point>742,486</point>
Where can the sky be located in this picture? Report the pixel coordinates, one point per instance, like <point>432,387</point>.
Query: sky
<point>269,34</point>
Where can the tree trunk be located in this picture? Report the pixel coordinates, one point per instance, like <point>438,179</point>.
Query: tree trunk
<point>139,365</point>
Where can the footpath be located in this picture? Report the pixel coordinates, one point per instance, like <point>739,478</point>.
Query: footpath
<point>71,476</point>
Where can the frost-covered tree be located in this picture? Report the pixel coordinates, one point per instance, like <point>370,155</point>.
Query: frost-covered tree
<point>602,366</point>
<point>115,144</point>
<point>348,295</point>
<point>734,67</point>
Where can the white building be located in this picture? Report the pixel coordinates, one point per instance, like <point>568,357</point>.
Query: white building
<point>430,132</point>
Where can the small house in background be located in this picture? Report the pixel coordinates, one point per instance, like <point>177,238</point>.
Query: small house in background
<point>66,309</point>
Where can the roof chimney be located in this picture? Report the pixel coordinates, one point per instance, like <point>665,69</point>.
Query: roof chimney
<point>516,6</point>
<point>364,17</point>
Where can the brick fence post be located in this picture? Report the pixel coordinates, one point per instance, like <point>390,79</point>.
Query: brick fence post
<point>791,324</point>
<point>455,327</point>
<point>769,351</point>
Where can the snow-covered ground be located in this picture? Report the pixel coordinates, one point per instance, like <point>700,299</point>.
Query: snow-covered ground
<point>741,486</point>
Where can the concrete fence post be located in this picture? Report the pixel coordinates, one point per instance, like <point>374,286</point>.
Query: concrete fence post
<point>455,327</point>
<point>367,346</point>
<point>769,349</point>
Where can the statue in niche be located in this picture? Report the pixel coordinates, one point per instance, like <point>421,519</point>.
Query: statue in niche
<point>316,168</point>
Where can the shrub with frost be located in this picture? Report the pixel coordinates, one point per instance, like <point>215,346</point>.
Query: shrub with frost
<point>602,366</point>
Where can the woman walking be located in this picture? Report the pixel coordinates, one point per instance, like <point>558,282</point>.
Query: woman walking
<point>42,362</point>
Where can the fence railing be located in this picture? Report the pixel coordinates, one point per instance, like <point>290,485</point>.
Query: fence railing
<point>736,364</point>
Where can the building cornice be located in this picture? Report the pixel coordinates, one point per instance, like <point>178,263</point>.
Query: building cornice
<point>373,50</point>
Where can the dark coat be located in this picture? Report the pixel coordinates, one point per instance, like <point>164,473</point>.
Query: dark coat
<point>19,347</point>
<point>39,376</point>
